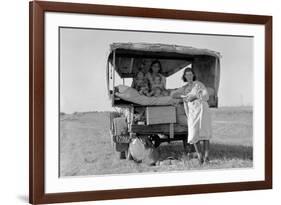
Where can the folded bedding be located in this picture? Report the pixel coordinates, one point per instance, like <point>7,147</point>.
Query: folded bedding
<point>130,94</point>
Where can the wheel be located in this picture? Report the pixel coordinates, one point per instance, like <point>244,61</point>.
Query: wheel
<point>122,155</point>
<point>118,133</point>
<point>155,140</point>
<point>112,115</point>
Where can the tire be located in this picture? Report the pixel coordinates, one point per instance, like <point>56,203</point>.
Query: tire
<point>122,155</point>
<point>112,115</point>
<point>120,147</point>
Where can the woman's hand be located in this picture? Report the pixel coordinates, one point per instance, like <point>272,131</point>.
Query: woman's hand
<point>175,95</point>
<point>190,98</point>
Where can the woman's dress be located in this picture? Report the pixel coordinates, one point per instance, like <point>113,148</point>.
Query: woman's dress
<point>197,112</point>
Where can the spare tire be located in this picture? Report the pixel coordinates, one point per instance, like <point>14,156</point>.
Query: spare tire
<point>142,150</point>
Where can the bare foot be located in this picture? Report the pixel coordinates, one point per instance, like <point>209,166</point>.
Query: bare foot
<point>206,160</point>
<point>200,159</point>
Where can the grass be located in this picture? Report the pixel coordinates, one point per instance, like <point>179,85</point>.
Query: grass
<point>86,147</point>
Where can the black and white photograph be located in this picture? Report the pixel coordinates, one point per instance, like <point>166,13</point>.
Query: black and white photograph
<point>131,102</point>
<point>136,102</point>
<point>111,102</point>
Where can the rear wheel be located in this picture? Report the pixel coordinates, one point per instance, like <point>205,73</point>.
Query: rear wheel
<point>121,148</point>
<point>125,155</point>
<point>122,155</point>
<point>112,115</point>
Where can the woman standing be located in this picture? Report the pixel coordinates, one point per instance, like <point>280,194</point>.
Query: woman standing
<point>195,97</point>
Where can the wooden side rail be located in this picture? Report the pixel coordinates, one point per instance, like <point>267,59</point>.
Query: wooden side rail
<point>158,129</point>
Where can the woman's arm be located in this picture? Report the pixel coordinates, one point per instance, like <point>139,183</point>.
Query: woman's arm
<point>201,91</point>
<point>177,93</point>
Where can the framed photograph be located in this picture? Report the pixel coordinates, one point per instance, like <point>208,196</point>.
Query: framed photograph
<point>130,102</point>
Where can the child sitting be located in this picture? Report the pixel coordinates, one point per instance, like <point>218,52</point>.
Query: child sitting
<point>140,83</point>
<point>156,92</point>
<point>157,88</point>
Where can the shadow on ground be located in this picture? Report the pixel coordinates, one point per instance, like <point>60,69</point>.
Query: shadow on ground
<point>217,151</point>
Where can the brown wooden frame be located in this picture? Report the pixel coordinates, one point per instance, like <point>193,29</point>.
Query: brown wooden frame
<point>37,95</point>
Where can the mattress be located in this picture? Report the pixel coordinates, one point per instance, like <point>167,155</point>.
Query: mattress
<point>130,94</point>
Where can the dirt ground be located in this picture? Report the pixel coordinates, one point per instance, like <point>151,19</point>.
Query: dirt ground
<point>86,147</point>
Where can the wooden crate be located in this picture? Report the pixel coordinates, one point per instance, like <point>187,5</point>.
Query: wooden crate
<point>160,115</point>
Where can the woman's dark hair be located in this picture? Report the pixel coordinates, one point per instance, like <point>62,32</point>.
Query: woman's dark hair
<point>152,64</point>
<point>188,70</point>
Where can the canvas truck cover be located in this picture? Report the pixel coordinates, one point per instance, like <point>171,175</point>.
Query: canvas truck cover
<point>128,58</point>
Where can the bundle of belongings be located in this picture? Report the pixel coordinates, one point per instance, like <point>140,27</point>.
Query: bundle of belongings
<point>132,95</point>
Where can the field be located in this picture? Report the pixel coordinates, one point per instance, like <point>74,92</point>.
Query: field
<point>86,147</point>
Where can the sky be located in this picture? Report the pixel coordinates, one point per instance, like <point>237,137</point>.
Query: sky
<point>83,58</point>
